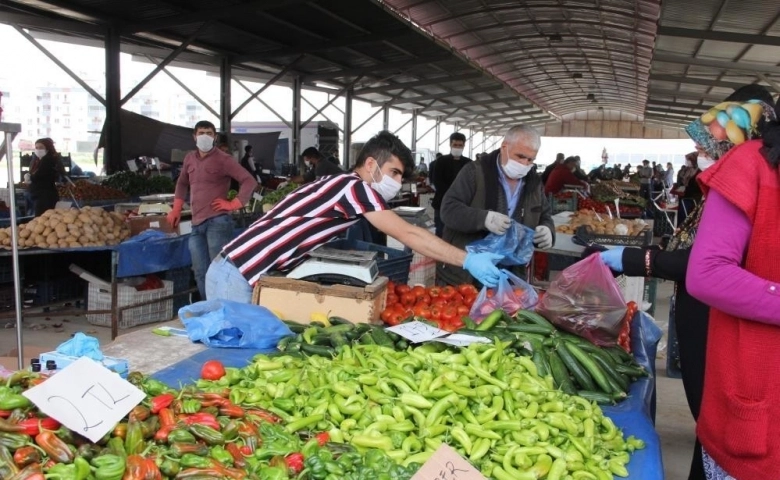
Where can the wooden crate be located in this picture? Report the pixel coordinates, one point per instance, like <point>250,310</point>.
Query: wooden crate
<point>297,299</point>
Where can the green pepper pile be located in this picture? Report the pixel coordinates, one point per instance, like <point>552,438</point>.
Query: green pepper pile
<point>485,400</point>
<point>277,195</point>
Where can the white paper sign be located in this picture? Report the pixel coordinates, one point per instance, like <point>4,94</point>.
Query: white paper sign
<point>447,464</point>
<point>460,340</point>
<point>417,332</point>
<point>86,397</point>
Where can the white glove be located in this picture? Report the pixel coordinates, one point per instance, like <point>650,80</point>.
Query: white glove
<point>497,223</point>
<point>543,237</point>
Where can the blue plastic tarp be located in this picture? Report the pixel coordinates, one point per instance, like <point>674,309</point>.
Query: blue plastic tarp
<point>152,251</point>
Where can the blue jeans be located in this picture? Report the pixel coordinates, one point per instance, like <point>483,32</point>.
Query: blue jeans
<point>206,241</point>
<point>225,282</point>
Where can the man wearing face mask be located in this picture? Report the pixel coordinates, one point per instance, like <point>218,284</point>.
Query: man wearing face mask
<point>318,166</point>
<point>561,176</point>
<point>447,169</point>
<point>489,194</point>
<point>318,212</point>
<point>205,176</point>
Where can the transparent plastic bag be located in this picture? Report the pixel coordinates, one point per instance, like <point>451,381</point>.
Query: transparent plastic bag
<point>226,324</point>
<point>586,301</point>
<point>516,245</point>
<point>511,294</point>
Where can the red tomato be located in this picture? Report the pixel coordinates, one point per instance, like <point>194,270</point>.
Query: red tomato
<point>408,299</point>
<point>435,313</point>
<point>520,292</point>
<point>447,292</point>
<point>386,313</point>
<point>392,299</point>
<point>490,293</point>
<point>434,292</point>
<point>424,299</point>
<point>439,302</point>
<point>418,291</point>
<point>390,287</point>
<point>449,314</point>
<point>457,324</point>
<point>469,301</point>
<point>212,370</point>
<point>463,310</point>
<point>457,298</point>
<point>422,310</point>
<point>466,289</point>
<point>395,319</point>
<point>401,289</point>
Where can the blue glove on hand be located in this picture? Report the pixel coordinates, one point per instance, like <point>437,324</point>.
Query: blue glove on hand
<point>482,266</point>
<point>613,258</point>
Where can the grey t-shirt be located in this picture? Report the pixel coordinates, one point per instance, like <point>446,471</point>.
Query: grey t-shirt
<point>322,169</point>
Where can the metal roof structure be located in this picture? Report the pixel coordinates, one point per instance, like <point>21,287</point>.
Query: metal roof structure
<point>485,64</point>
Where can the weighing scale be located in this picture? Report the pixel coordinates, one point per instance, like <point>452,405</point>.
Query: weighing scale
<point>330,266</point>
<point>155,204</point>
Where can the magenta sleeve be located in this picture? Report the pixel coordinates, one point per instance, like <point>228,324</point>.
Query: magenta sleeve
<point>715,274</point>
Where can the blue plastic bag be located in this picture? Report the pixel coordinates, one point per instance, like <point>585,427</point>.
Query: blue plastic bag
<point>511,294</point>
<point>226,324</point>
<point>516,245</point>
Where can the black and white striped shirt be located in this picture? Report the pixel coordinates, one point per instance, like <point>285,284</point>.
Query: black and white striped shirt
<point>307,218</point>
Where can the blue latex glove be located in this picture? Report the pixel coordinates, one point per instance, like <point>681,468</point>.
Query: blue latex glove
<point>482,266</point>
<point>613,258</point>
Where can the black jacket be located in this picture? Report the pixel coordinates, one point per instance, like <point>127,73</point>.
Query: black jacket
<point>47,172</point>
<point>447,170</point>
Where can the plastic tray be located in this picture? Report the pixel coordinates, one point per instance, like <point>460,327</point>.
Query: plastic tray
<point>393,264</point>
<point>642,240</point>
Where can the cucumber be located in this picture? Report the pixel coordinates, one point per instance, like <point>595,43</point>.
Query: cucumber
<point>604,361</point>
<point>536,319</point>
<point>401,344</point>
<point>295,327</point>
<point>540,360</point>
<point>631,371</point>
<point>591,366</point>
<point>282,345</point>
<point>598,397</point>
<point>622,354</point>
<point>560,374</point>
<point>338,339</point>
<point>340,328</point>
<point>527,328</point>
<point>320,350</point>
<point>321,339</point>
<point>317,324</point>
<point>382,338</point>
<point>366,339</point>
<point>339,321</point>
<point>577,371</point>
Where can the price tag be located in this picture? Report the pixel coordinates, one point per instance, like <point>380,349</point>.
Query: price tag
<point>417,332</point>
<point>86,397</point>
<point>446,464</point>
<point>460,340</point>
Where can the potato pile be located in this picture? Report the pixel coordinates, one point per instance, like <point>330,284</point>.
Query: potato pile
<point>88,227</point>
<point>605,226</point>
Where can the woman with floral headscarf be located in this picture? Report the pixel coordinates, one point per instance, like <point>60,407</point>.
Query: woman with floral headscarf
<point>691,315</point>
<point>735,270</point>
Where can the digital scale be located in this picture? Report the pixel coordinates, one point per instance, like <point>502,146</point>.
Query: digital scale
<point>156,204</point>
<point>330,266</point>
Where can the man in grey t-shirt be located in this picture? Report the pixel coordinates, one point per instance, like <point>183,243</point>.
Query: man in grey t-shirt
<point>318,166</point>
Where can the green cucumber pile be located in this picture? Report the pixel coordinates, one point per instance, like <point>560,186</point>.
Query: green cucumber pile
<point>486,401</point>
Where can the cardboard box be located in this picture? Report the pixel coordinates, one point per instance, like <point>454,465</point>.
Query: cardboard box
<point>297,299</point>
<point>154,222</point>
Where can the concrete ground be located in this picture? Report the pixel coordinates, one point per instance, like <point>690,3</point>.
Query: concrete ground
<point>674,423</point>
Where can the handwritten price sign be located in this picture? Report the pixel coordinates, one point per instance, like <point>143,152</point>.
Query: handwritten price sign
<point>446,464</point>
<point>86,397</point>
<point>417,332</point>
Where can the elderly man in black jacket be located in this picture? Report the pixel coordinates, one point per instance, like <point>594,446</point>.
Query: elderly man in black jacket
<point>488,194</point>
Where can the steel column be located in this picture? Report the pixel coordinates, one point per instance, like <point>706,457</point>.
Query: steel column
<point>10,130</point>
<point>386,118</point>
<point>437,138</point>
<point>471,142</point>
<point>225,95</point>
<point>484,137</point>
<point>348,128</point>
<point>414,130</point>
<point>112,156</point>
<point>296,119</point>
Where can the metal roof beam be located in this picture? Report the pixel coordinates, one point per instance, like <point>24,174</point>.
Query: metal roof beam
<point>319,46</point>
<point>695,81</point>
<point>438,96</point>
<point>720,64</point>
<point>689,95</point>
<point>510,101</point>
<point>720,36</point>
<point>506,26</point>
<point>351,72</point>
<point>420,83</point>
<point>34,21</point>
<point>692,106</point>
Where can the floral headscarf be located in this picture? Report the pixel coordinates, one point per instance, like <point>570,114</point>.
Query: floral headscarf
<point>729,124</point>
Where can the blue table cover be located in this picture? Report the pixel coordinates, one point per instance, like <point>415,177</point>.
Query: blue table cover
<point>635,415</point>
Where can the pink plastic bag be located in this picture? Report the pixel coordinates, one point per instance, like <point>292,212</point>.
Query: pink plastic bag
<point>511,295</point>
<point>586,301</point>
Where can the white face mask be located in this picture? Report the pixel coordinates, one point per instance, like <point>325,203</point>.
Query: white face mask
<point>704,162</point>
<point>516,170</point>
<point>307,163</point>
<point>456,152</point>
<point>387,187</point>
<point>204,143</point>
<point>40,153</point>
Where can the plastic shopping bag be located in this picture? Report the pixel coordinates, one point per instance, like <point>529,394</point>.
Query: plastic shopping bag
<point>516,245</point>
<point>586,301</point>
<point>225,324</point>
<point>511,295</point>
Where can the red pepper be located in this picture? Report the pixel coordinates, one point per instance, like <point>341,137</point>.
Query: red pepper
<point>217,402</point>
<point>235,452</point>
<point>33,426</point>
<point>26,455</point>
<point>166,417</point>
<point>203,418</point>
<point>140,468</point>
<point>5,413</point>
<point>55,448</point>
<point>162,434</point>
<point>231,410</point>
<point>32,471</point>
<point>246,450</point>
<point>139,413</point>
<point>294,462</point>
<point>231,473</point>
<point>162,401</point>
<point>322,438</point>
<point>265,415</point>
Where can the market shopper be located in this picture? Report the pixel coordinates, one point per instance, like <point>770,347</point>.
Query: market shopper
<point>317,165</point>
<point>44,174</point>
<point>489,194</point>
<point>547,171</point>
<point>675,263</point>
<point>447,169</point>
<point>563,175</point>
<point>248,161</point>
<point>319,211</point>
<point>205,176</point>
<point>645,173</point>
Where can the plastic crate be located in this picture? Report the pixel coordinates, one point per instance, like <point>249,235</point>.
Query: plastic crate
<point>559,205</point>
<point>393,264</point>
<point>55,290</point>
<point>181,278</point>
<point>99,298</point>
<point>642,240</point>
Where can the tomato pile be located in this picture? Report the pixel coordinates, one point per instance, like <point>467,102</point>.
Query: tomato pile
<point>444,305</point>
<point>599,207</point>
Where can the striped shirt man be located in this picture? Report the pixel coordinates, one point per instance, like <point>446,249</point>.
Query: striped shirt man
<point>307,218</point>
